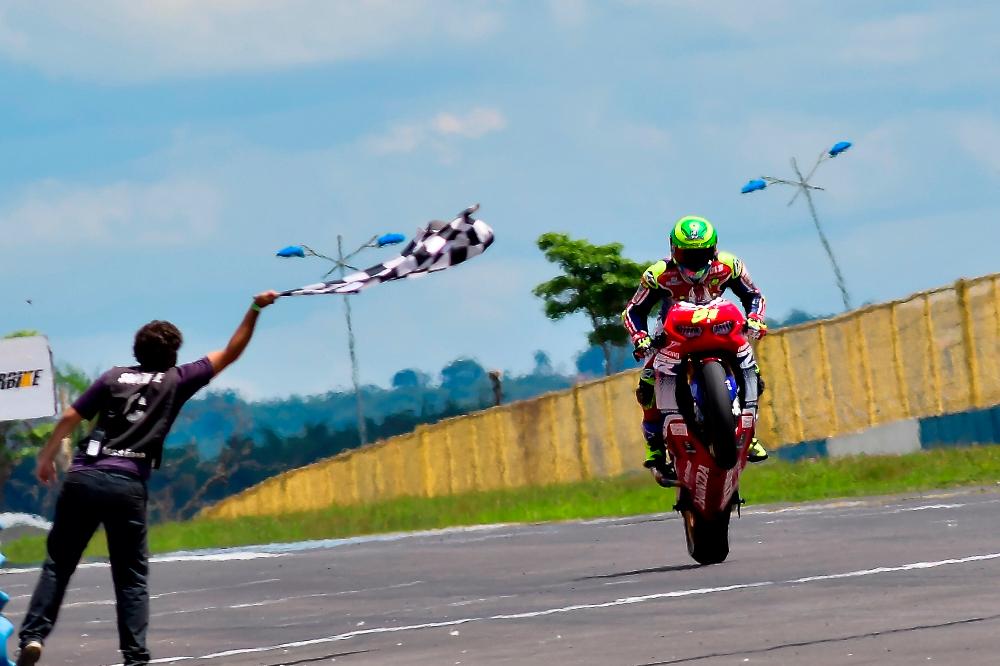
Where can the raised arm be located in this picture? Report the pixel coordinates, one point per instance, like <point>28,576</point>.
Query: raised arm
<point>223,358</point>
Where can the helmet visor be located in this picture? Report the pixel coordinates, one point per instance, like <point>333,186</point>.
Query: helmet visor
<point>694,264</point>
<point>694,259</point>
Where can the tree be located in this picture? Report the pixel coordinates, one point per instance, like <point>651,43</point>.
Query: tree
<point>590,362</point>
<point>543,363</point>
<point>597,281</point>
<point>465,382</point>
<point>460,373</point>
<point>408,378</point>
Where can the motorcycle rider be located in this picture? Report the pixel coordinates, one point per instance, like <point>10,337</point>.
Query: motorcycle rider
<point>696,272</point>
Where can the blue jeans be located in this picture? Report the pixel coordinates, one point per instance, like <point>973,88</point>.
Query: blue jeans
<point>90,498</point>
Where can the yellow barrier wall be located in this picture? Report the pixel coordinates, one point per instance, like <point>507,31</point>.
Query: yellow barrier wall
<point>932,353</point>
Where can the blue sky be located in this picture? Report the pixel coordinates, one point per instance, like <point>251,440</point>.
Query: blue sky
<point>154,155</point>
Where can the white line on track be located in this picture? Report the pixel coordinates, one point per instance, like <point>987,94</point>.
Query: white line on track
<point>111,602</point>
<point>470,602</point>
<point>319,595</point>
<point>931,506</point>
<point>583,607</point>
<point>171,557</point>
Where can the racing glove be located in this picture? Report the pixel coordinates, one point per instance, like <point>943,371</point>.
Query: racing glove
<point>756,326</point>
<point>642,344</point>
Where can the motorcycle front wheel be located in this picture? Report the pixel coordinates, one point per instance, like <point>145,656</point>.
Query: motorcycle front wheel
<point>720,422</point>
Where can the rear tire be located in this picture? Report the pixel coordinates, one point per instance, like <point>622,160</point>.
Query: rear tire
<point>707,539</point>
<point>720,423</point>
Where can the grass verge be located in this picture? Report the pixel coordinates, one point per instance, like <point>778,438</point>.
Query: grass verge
<point>772,482</point>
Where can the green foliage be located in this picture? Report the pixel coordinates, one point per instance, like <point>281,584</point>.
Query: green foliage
<point>72,380</point>
<point>462,374</point>
<point>410,378</point>
<point>592,361</point>
<point>23,333</point>
<point>597,281</point>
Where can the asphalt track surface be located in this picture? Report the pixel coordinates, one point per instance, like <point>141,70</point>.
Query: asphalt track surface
<point>877,581</point>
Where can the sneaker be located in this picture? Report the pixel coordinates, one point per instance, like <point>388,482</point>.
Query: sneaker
<point>757,453</point>
<point>30,653</point>
<point>664,473</point>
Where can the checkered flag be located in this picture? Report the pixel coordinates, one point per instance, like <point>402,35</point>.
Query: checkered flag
<point>437,246</point>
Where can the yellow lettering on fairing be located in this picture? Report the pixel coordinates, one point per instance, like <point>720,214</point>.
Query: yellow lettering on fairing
<point>704,314</point>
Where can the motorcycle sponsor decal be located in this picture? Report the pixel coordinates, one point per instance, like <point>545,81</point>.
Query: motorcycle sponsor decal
<point>665,360</point>
<point>729,488</point>
<point>700,486</point>
<point>748,420</point>
<point>679,428</point>
<point>672,350</point>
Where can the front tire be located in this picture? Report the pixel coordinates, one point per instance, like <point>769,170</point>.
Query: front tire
<point>720,422</point>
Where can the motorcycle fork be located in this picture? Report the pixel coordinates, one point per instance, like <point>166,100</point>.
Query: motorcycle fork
<point>684,502</point>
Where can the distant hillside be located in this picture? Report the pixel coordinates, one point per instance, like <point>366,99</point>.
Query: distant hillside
<point>463,386</point>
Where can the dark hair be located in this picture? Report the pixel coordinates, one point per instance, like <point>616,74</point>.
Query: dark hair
<point>156,345</point>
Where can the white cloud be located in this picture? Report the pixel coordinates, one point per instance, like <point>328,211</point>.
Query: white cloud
<point>162,213</point>
<point>898,40</point>
<point>569,14</point>
<point>437,133</point>
<point>123,40</point>
<point>980,137</point>
<point>645,136</point>
<point>738,17</point>
<point>472,125</point>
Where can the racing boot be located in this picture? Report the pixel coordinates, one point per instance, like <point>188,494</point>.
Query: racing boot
<point>757,453</point>
<point>662,469</point>
<point>657,462</point>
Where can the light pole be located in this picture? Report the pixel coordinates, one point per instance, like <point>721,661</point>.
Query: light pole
<point>341,265</point>
<point>803,186</point>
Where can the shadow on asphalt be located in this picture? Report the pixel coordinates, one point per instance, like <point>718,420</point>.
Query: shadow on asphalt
<point>638,572</point>
<point>313,660</point>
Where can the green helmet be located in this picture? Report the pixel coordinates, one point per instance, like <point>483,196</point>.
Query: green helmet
<point>693,247</point>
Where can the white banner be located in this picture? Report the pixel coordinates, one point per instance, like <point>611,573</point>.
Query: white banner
<point>27,383</point>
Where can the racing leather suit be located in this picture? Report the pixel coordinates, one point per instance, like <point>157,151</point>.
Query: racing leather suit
<point>663,284</point>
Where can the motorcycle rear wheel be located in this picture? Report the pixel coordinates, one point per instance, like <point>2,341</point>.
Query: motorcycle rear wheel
<point>720,423</point>
<point>707,538</point>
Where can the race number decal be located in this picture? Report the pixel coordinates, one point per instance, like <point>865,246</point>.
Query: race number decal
<point>704,314</point>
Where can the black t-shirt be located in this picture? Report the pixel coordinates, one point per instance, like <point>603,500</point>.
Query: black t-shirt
<point>136,410</point>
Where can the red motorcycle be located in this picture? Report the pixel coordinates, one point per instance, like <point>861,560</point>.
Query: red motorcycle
<point>710,447</point>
